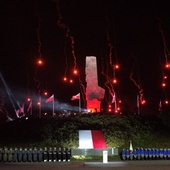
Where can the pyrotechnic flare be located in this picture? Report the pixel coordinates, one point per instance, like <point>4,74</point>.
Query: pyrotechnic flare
<point>71,38</point>
<point>138,85</point>
<point>166,51</point>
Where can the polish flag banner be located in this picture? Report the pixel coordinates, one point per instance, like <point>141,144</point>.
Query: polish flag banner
<point>50,99</point>
<point>91,139</point>
<point>76,97</point>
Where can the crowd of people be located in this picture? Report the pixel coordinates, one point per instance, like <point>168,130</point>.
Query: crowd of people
<point>146,154</point>
<point>35,155</point>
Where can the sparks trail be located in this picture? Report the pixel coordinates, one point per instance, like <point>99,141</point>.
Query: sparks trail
<point>71,38</point>
<point>38,28</point>
<point>108,40</point>
<point>138,85</point>
<point>112,48</point>
<point>38,60</point>
<point>108,83</point>
<point>166,51</point>
<point>113,65</point>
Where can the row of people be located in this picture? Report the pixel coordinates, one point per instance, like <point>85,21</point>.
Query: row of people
<point>146,154</point>
<point>34,155</point>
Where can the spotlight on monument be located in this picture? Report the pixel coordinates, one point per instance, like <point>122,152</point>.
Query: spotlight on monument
<point>94,93</point>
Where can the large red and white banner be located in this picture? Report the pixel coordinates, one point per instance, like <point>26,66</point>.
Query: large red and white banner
<point>91,139</point>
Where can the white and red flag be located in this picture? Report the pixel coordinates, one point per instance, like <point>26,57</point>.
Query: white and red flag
<point>20,112</point>
<point>76,97</point>
<point>50,99</point>
<point>91,139</point>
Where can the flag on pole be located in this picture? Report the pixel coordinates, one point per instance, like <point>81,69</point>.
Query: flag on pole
<point>113,97</point>
<point>50,99</point>
<point>29,106</point>
<point>19,111</point>
<point>76,97</point>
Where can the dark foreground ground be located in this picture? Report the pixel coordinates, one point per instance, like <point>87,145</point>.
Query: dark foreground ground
<point>130,165</point>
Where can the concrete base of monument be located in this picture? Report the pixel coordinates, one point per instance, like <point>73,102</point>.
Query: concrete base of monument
<point>108,164</point>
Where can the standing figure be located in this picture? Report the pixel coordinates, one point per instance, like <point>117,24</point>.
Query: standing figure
<point>15,155</point>
<point>29,155</point>
<point>54,154</point>
<point>154,153</point>
<point>64,155</point>
<point>1,154</point>
<point>5,154</point>
<point>25,154</point>
<point>142,153</point>
<point>165,154</point>
<point>34,154</point>
<point>45,155</point>
<point>19,154</point>
<point>161,153</point>
<point>59,155</point>
<point>157,151</point>
<point>123,154</point>
<point>50,155</point>
<point>135,154</point>
<point>68,154</point>
<point>127,153</point>
<point>10,155</point>
<point>40,155</point>
<point>168,152</point>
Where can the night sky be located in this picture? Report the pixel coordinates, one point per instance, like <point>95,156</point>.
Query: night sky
<point>33,29</point>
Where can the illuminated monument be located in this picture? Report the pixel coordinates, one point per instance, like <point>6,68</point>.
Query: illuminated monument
<point>94,93</point>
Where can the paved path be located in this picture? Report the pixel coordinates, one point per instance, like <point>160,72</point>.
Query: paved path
<point>129,165</point>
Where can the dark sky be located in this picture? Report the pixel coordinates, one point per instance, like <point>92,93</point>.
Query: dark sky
<point>134,33</point>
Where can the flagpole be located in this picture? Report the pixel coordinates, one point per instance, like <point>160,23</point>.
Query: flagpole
<point>31,109</point>
<point>39,106</point>
<point>80,105</point>
<point>138,104</point>
<point>53,107</point>
<point>160,107</point>
<point>115,106</point>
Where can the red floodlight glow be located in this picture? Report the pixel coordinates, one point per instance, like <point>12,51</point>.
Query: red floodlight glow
<point>40,62</point>
<point>166,102</point>
<point>116,66</point>
<point>75,72</point>
<point>143,102</point>
<point>71,81</point>
<point>165,77</point>
<point>45,93</point>
<point>163,84</point>
<point>114,81</point>
<point>65,78</point>
<point>28,99</point>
